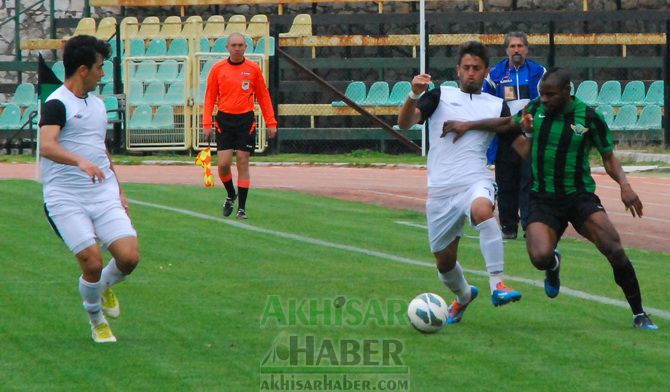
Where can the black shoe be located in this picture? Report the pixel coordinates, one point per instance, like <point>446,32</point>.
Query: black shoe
<point>552,281</point>
<point>241,214</point>
<point>509,236</point>
<point>642,321</point>
<point>228,205</point>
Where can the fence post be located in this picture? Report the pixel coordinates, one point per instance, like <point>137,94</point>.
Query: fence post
<point>666,85</point>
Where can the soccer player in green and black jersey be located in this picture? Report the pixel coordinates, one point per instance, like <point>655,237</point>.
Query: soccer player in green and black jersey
<point>563,131</point>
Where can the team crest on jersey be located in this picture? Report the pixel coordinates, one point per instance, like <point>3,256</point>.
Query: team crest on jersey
<point>579,129</point>
<point>245,85</point>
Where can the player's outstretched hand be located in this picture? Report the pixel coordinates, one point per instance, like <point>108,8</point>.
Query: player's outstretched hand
<point>94,172</point>
<point>631,200</point>
<point>457,127</point>
<point>420,83</point>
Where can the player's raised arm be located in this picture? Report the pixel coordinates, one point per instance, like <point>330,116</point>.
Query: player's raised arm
<point>410,113</point>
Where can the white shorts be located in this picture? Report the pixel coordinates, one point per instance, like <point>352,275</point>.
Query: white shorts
<point>80,224</point>
<point>446,214</point>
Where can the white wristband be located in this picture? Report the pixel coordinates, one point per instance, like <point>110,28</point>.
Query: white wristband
<point>528,135</point>
<point>414,97</point>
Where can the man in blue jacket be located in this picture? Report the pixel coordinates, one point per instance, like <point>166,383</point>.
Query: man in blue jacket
<point>516,80</point>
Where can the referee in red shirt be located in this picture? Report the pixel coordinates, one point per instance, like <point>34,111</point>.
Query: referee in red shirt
<point>232,85</point>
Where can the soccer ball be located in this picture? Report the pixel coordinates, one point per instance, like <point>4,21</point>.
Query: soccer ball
<point>427,312</point>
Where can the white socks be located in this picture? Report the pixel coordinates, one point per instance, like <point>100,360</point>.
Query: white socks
<point>455,281</point>
<point>111,275</point>
<point>90,293</point>
<point>491,246</point>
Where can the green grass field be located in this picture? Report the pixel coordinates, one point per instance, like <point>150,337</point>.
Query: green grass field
<point>196,314</point>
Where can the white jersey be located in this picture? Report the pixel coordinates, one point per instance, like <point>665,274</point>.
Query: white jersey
<point>83,125</point>
<point>453,167</point>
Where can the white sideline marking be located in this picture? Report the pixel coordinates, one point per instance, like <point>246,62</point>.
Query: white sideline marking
<point>387,256</point>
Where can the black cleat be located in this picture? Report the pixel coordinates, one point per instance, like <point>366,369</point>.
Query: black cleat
<point>642,321</point>
<point>228,205</point>
<point>552,281</point>
<point>241,214</point>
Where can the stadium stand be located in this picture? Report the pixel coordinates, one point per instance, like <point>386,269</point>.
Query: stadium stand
<point>59,69</point>
<point>141,118</point>
<point>192,27</point>
<point>154,94</point>
<point>108,69</point>
<point>175,94</point>
<point>608,113</point>
<point>260,46</point>
<point>134,93</point>
<point>258,26</point>
<point>113,111</point>
<point>220,45</point>
<point>164,118</point>
<point>157,47</point>
<point>168,71</point>
<point>145,71</point>
<point>215,27</point>
<point>24,95</point>
<point>107,89</point>
<point>10,118</point>
<point>137,47</point>
<point>150,28</point>
<point>171,27</point>
<point>236,24</point>
<point>204,45</point>
<point>356,91</point>
<point>178,47</point>
<point>86,26</point>
<point>129,27</point>
<point>650,119</point>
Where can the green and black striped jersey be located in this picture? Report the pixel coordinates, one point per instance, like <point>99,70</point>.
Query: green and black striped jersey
<point>561,146</point>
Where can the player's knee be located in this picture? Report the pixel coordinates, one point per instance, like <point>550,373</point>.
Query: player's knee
<point>128,260</point>
<point>542,259</point>
<point>91,264</point>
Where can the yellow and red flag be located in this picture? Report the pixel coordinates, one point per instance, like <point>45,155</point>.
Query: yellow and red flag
<point>204,159</point>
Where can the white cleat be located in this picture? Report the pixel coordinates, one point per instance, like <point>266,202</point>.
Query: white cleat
<point>102,333</point>
<point>110,304</point>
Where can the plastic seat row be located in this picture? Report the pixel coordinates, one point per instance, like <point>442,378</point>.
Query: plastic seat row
<point>24,95</point>
<point>156,94</point>
<point>172,27</point>
<point>610,93</point>
<point>105,29</point>
<point>11,117</point>
<point>627,120</point>
<point>165,71</point>
<point>143,118</point>
<point>220,43</point>
<point>380,94</point>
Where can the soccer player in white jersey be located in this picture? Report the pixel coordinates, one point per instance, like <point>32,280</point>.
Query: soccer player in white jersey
<point>460,185</point>
<point>83,199</point>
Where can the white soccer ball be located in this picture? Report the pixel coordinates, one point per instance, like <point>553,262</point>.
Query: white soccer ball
<point>427,312</point>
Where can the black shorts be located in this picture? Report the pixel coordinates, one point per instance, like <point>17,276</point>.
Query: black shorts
<point>235,131</point>
<point>556,211</point>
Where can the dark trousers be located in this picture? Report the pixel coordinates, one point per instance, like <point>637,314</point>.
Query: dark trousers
<point>513,176</point>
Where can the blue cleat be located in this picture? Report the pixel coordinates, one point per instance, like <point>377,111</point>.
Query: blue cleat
<point>552,281</point>
<point>642,321</point>
<point>503,295</point>
<point>456,310</point>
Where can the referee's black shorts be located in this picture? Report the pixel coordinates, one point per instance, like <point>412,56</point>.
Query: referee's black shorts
<point>556,211</point>
<point>235,131</point>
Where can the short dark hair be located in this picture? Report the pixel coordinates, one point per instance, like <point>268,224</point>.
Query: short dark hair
<point>516,34</point>
<point>81,50</point>
<point>558,76</point>
<point>473,48</point>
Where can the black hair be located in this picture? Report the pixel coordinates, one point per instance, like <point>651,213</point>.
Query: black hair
<point>473,48</point>
<point>81,50</point>
<point>558,76</point>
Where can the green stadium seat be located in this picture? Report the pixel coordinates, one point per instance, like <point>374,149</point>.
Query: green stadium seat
<point>260,46</point>
<point>650,119</point>
<point>59,69</point>
<point>626,118</point>
<point>24,95</point>
<point>378,94</point>
<point>141,118</point>
<point>178,47</point>
<point>450,83</point>
<point>431,86</point>
<point>399,93</point>
<point>108,67</point>
<point>154,94</point>
<point>655,94</point>
<point>204,45</point>
<point>220,45</point>
<point>175,94</point>
<point>145,71</point>
<point>112,107</point>
<point>135,93</point>
<point>112,44</point>
<point>168,71</point>
<point>107,89</point>
<point>250,43</point>
<point>10,118</point>
<point>202,88</point>
<point>164,118</point>
<point>157,47</point>
<point>355,91</point>
<point>633,93</point>
<point>610,93</point>
<point>206,68</point>
<point>137,47</point>
<point>608,113</point>
<point>587,91</point>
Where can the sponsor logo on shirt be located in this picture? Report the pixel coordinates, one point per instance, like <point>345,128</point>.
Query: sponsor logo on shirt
<point>245,85</point>
<point>579,129</point>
